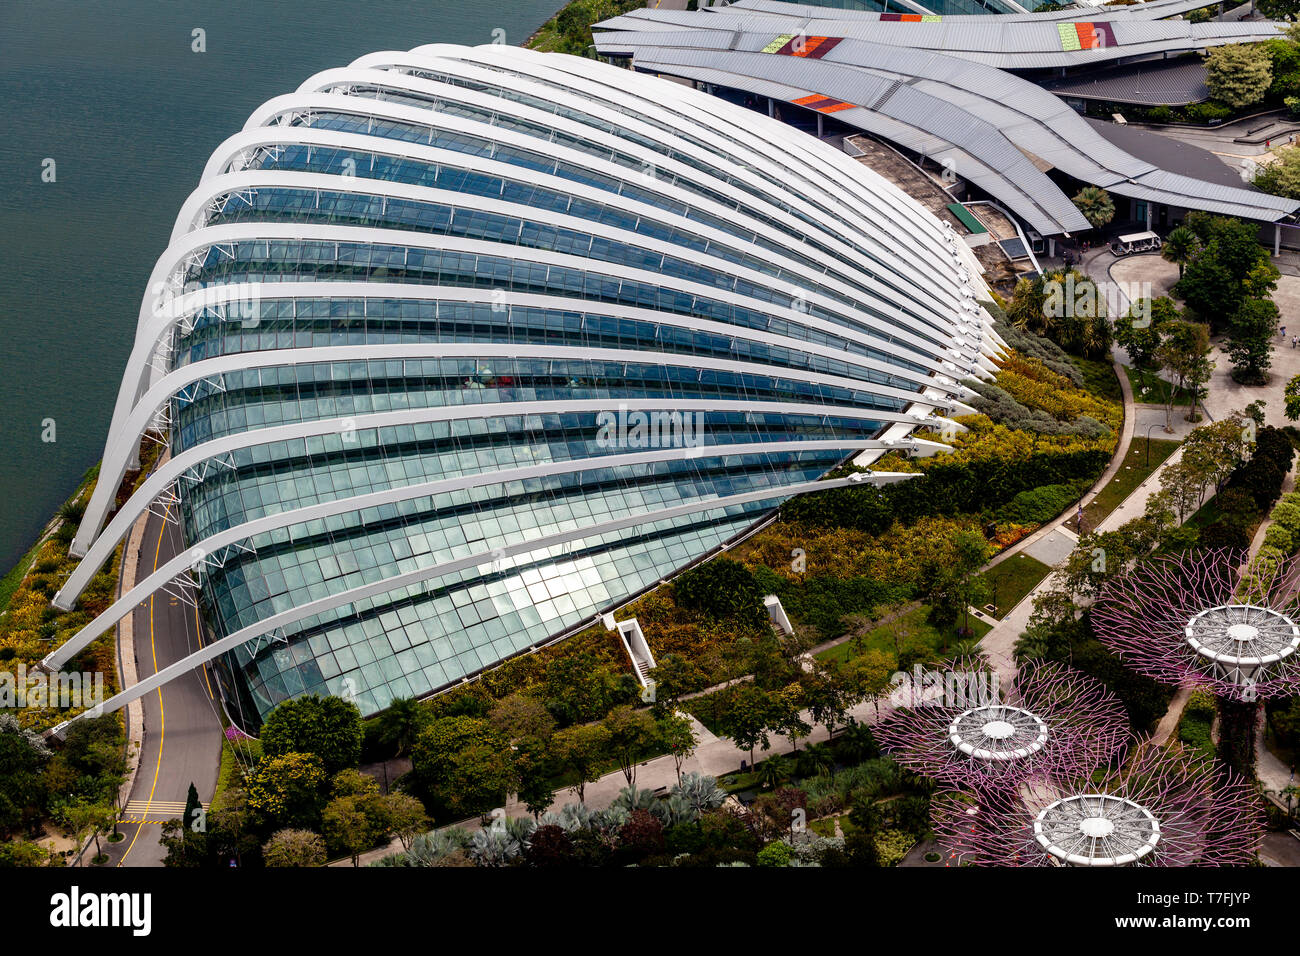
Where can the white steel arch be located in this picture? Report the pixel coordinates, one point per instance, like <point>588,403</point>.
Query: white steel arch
<point>288,618</point>
<point>285,519</point>
<point>140,368</point>
<point>881,273</point>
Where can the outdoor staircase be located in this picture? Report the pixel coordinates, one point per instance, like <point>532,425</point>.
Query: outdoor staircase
<point>634,642</point>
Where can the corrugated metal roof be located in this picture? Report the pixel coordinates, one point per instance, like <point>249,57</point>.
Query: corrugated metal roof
<point>1140,11</point>
<point>1003,41</point>
<point>943,104</point>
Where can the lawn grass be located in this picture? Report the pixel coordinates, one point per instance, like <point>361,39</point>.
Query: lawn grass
<point>1144,456</point>
<point>1151,389</point>
<point>1099,378</point>
<point>1010,580</point>
<point>909,629</point>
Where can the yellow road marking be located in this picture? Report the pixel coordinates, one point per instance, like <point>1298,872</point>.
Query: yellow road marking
<point>162,720</point>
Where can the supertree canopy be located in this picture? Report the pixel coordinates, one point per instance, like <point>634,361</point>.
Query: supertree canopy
<point>1054,721</point>
<point>1164,807</point>
<point>1194,620</point>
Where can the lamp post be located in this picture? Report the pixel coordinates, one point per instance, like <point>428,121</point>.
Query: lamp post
<point>1149,427</point>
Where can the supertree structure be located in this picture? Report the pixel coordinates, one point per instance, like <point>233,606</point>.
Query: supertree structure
<point>1163,807</point>
<point>1053,721</point>
<point>1196,621</point>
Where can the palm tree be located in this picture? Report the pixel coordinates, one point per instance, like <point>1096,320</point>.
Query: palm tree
<point>1180,247</point>
<point>401,723</point>
<point>773,771</point>
<point>1096,205</point>
<point>816,760</point>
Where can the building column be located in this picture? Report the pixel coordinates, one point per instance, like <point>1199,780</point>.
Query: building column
<point>771,107</point>
<point>1149,205</point>
<point>821,130</point>
<point>1051,248</point>
<point>1277,238</point>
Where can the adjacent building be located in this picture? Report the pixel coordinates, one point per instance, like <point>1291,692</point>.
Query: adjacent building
<point>975,95</point>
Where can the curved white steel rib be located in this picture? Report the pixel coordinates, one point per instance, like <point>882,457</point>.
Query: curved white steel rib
<point>284,519</point>
<point>879,270</point>
<point>819,173</point>
<point>156,322</point>
<point>321,605</point>
<point>102,548</point>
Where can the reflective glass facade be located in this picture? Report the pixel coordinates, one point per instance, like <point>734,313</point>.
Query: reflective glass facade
<point>451,279</point>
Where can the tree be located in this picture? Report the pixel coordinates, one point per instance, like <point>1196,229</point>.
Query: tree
<point>230,832</point>
<point>353,783</point>
<point>535,768</point>
<point>748,716</point>
<point>1138,330</point>
<point>1096,205</point>
<point>84,818</point>
<point>519,716</point>
<point>582,750</point>
<point>969,552</point>
<point>1216,450</point>
<point>464,763</point>
<point>193,808</point>
<point>1292,398</point>
<point>1230,267</point>
<point>677,734</point>
<point>288,791</point>
<point>406,817</point>
<point>867,676</point>
<point>184,847</point>
<point>401,723</point>
<point>1282,176</point>
<point>1184,352</point>
<point>23,756</point>
<point>349,827</point>
<point>1180,245</point>
<point>631,734</point>
<point>1238,74</point>
<point>1277,10</point>
<point>1250,340</point>
<point>329,727</point>
<point>297,848</point>
<point>827,695</point>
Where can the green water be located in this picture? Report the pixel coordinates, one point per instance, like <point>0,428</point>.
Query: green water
<point>114,94</point>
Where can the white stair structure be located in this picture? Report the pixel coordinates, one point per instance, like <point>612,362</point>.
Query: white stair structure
<point>634,642</point>
<point>780,620</point>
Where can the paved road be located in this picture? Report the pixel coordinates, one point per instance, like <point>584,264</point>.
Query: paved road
<point>182,730</point>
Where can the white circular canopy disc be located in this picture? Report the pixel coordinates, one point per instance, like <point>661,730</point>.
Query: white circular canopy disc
<point>997,733</point>
<point>1096,829</point>
<point>1242,637</point>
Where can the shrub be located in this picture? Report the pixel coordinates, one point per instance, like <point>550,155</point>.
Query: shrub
<point>775,854</point>
<point>1039,504</point>
<point>1278,537</point>
<point>1287,515</point>
<point>721,588</point>
<point>1200,703</point>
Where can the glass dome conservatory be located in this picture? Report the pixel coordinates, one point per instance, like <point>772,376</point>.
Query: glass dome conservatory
<point>454,349</point>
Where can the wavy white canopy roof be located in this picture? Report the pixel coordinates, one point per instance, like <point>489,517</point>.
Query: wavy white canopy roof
<point>942,89</point>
